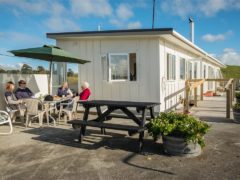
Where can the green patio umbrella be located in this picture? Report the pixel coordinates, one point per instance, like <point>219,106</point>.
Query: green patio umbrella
<point>51,54</point>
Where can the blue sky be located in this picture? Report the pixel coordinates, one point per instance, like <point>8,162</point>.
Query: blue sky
<point>24,23</point>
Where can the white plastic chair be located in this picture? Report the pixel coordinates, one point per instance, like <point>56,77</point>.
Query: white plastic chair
<point>6,119</point>
<point>33,110</point>
<point>69,110</point>
<point>12,112</point>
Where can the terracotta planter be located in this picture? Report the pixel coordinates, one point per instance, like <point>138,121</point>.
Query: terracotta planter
<point>209,94</point>
<point>179,147</point>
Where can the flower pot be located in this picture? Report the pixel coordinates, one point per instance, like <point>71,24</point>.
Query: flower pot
<point>179,147</point>
<point>236,115</point>
<point>209,94</point>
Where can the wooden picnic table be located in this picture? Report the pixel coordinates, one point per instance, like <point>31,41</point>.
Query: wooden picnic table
<point>111,107</point>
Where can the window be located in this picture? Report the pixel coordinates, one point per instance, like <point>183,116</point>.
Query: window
<point>133,66</point>
<point>104,62</point>
<point>189,70</point>
<point>119,67</point>
<point>182,68</point>
<point>195,69</point>
<point>210,72</point>
<point>204,71</point>
<point>171,67</point>
<point>118,64</point>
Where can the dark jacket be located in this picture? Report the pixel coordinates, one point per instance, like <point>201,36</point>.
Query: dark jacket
<point>62,92</point>
<point>23,93</point>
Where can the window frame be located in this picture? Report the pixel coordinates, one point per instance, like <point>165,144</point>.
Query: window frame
<point>185,68</point>
<point>195,70</point>
<point>189,67</point>
<point>172,69</point>
<point>110,63</point>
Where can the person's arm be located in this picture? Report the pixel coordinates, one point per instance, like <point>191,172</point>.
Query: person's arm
<point>18,95</point>
<point>12,101</point>
<point>30,92</point>
<point>70,94</point>
<point>59,92</point>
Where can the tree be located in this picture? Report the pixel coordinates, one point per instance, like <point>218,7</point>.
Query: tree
<point>26,69</point>
<point>70,72</point>
<point>41,70</point>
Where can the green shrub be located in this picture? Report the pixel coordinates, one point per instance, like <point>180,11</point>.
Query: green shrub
<point>236,106</point>
<point>237,95</point>
<point>178,125</point>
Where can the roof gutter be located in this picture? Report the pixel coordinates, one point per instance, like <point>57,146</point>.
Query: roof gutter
<point>205,54</point>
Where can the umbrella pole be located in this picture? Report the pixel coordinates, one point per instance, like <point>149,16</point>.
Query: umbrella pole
<point>50,78</point>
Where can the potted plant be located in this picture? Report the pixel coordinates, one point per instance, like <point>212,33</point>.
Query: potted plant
<point>237,95</point>
<point>236,111</point>
<point>182,134</point>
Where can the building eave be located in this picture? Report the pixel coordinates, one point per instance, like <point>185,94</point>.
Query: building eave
<point>136,33</point>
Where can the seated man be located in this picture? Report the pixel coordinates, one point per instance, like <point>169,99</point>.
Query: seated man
<point>22,91</point>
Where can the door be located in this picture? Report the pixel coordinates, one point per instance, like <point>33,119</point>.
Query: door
<point>59,75</point>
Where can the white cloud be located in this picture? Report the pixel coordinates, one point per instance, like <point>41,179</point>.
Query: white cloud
<point>213,38</point>
<point>116,22</point>
<point>230,57</point>
<point>57,9</point>
<point>216,37</point>
<point>185,8</point>
<point>99,8</point>
<point>17,37</point>
<point>35,7</point>
<point>124,12</point>
<point>61,24</point>
<point>134,25</point>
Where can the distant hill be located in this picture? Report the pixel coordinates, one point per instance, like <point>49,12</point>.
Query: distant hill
<point>231,72</point>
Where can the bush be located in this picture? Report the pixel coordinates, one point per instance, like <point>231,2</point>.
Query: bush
<point>237,95</point>
<point>236,106</point>
<point>178,125</point>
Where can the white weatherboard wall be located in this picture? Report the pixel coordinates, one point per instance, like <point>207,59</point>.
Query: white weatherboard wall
<point>147,86</point>
<point>38,83</point>
<point>151,85</point>
<point>168,87</point>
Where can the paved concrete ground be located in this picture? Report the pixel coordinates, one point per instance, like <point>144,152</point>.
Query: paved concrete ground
<point>51,153</point>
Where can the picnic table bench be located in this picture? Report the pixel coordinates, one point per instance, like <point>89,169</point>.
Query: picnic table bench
<point>112,106</point>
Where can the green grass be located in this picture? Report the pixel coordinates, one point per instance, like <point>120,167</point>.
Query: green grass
<point>231,72</point>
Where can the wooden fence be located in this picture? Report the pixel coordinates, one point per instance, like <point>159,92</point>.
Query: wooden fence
<point>193,85</point>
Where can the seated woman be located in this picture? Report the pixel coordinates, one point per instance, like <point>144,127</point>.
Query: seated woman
<point>64,90</point>
<point>13,102</point>
<point>85,94</point>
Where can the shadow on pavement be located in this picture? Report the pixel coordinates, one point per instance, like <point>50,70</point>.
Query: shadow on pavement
<point>215,119</point>
<point>93,139</point>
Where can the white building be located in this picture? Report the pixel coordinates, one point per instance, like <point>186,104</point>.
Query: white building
<point>138,65</point>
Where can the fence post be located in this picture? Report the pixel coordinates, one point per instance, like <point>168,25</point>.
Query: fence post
<point>228,104</point>
<point>234,88</point>
<point>230,94</point>
<point>186,102</point>
<point>195,96</point>
<point>201,92</point>
<point>215,87</point>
